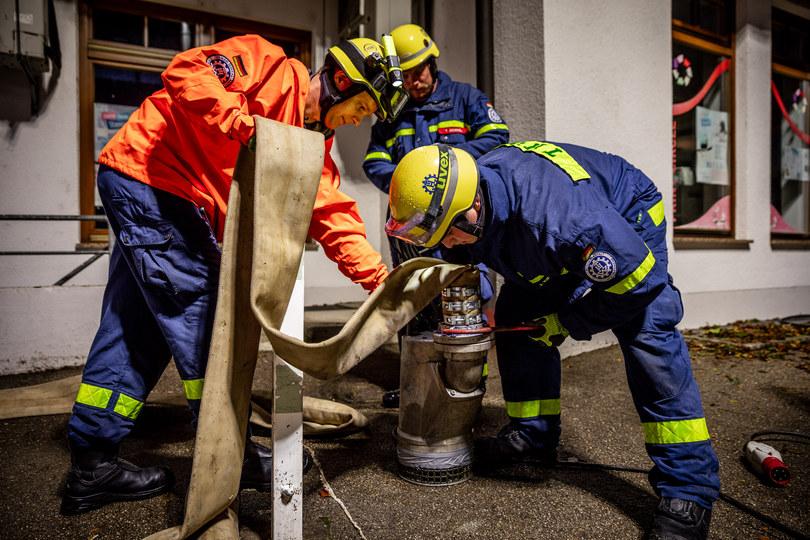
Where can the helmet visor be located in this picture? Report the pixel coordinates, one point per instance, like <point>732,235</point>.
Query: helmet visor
<point>411,231</point>
<point>394,100</point>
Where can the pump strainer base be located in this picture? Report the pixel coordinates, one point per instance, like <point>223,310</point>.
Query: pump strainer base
<point>435,477</point>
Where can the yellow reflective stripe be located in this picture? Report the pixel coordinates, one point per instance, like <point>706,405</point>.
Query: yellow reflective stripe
<point>128,407</point>
<point>563,271</point>
<point>638,275</point>
<point>401,133</point>
<point>378,155</point>
<point>489,127</point>
<point>485,371</point>
<point>556,155</point>
<point>94,396</point>
<point>447,124</point>
<point>193,388</point>
<point>657,212</point>
<point>537,278</point>
<point>529,409</point>
<point>676,431</point>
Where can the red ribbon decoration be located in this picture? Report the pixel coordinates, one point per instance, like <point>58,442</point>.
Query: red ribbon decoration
<point>805,138</point>
<point>685,106</point>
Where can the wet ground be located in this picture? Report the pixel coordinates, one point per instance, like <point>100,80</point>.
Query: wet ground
<point>754,377</point>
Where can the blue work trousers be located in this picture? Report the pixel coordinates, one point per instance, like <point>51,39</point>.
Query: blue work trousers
<point>659,373</point>
<point>159,303</point>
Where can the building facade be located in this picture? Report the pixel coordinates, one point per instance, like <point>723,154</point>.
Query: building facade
<point>708,98</point>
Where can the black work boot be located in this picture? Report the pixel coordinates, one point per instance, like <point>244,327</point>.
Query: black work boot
<point>257,467</point>
<point>100,477</point>
<point>512,447</point>
<point>677,519</point>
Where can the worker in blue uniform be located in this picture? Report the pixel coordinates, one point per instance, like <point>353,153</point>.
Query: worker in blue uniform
<point>439,110</point>
<point>580,239</point>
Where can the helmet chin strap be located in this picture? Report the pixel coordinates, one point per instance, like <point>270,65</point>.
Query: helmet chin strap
<point>330,96</point>
<point>326,100</point>
<point>475,229</point>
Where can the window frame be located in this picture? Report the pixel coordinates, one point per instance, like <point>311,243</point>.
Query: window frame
<point>94,52</point>
<point>788,240</point>
<point>693,37</point>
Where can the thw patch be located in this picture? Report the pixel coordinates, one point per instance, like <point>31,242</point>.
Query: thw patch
<point>601,267</point>
<point>223,68</point>
<point>429,183</point>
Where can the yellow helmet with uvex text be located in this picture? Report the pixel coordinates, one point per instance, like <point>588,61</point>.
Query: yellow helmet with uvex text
<point>431,187</point>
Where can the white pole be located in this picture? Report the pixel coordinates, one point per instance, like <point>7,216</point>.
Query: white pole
<point>288,431</point>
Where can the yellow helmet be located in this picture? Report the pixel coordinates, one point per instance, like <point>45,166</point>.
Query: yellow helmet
<point>432,186</point>
<point>414,45</point>
<point>363,61</point>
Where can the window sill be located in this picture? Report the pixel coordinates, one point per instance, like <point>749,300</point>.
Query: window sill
<point>790,243</point>
<point>708,242</point>
<point>91,246</point>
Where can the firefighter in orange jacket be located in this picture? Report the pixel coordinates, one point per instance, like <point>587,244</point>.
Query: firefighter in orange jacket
<point>164,181</point>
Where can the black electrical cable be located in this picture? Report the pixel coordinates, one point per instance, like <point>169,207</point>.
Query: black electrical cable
<point>766,435</point>
<point>23,61</point>
<point>731,501</point>
<point>573,463</point>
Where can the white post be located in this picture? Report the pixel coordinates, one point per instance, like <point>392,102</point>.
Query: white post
<point>288,431</point>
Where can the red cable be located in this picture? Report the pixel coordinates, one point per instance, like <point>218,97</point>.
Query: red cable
<point>488,329</point>
<point>685,106</point>
<point>805,138</point>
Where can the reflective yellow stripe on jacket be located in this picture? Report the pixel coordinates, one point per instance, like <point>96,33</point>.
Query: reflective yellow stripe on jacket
<point>638,275</point>
<point>486,128</point>
<point>447,124</point>
<point>656,212</point>
<point>404,132</point>
<point>676,431</point>
<point>378,155</point>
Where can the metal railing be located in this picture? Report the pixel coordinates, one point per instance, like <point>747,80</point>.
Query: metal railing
<point>95,254</point>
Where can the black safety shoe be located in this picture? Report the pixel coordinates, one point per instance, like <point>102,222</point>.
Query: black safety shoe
<point>677,519</point>
<point>390,399</point>
<point>99,478</point>
<point>257,468</point>
<point>511,447</point>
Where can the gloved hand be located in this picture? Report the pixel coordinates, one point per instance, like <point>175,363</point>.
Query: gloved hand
<point>552,334</point>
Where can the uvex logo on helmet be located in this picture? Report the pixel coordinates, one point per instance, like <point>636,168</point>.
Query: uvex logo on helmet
<point>444,168</point>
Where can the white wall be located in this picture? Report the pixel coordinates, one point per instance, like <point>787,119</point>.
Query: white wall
<point>592,73</point>
<point>454,34</point>
<point>43,326</point>
<point>325,284</point>
<point>518,70</point>
<point>607,85</point>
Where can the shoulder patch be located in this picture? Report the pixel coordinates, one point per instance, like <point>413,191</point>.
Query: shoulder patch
<point>493,114</point>
<point>223,68</point>
<point>600,267</point>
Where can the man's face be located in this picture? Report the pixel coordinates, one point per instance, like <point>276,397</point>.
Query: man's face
<point>419,81</point>
<point>457,237</point>
<point>351,112</point>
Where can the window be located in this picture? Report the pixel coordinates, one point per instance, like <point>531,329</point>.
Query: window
<point>790,126</point>
<point>126,45</point>
<point>702,113</point>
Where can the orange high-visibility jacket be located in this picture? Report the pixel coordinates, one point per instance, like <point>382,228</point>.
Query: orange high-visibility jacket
<point>185,138</point>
